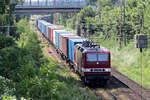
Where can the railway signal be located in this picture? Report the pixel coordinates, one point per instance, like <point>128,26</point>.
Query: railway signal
<point>141,41</point>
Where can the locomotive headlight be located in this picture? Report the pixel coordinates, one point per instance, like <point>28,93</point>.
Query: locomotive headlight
<point>108,69</point>
<point>86,69</point>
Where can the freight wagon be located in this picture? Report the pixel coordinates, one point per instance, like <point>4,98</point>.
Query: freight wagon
<point>71,45</point>
<point>57,37</point>
<point>65,46</point>
<point>90,60</point>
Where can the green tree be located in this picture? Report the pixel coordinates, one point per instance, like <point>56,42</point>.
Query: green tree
<point>92,2</point>
<point>81,18</point>
<point>7,8</point>
<point>6,41</point>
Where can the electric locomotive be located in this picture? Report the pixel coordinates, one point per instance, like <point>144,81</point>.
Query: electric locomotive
<point>92,62</point>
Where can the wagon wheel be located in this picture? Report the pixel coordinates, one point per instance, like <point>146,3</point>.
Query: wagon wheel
<point>86,82</point>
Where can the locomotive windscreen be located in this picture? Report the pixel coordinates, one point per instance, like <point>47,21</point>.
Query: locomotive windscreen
<point>102,57</point>
<point>92,57</point>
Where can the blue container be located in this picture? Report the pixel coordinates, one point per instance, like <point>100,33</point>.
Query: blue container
<point>71,45</point>
<point>42,29</point>
<point>41,26</point>
<point>45,28</point>
<point>37,22</point>
<point>57,36</point>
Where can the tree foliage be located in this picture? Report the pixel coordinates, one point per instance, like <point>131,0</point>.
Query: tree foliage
<point>6,42</point>
<point>7,17</point>
<point>19,62</point>
<point>26,73</point>
<point>105,19</point>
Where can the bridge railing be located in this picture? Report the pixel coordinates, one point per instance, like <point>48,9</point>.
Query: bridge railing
<point>52,4</point>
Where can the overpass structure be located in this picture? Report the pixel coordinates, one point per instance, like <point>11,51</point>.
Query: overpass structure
<point>49,6</point>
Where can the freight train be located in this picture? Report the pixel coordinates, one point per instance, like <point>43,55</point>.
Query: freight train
<point>91,61</point>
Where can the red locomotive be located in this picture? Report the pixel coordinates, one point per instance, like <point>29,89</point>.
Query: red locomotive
<point>92,62</point>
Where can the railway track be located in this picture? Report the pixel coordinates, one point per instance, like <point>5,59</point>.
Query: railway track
<point>119,87</point>
<point>137,88</point>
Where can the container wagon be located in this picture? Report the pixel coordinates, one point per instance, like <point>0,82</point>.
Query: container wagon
<point>90,60</point>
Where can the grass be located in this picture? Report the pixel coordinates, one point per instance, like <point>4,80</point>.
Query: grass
<point>70,82</point>
<point>70,87</point>
<point>51,82</point>
<point>129,61</point>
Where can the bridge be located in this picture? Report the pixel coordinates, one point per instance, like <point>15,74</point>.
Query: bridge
<point>49,6</point>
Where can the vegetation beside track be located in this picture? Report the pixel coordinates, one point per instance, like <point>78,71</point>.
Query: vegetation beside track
<point>105,26</point>
<point>128,61</point>
<point>27,73</point>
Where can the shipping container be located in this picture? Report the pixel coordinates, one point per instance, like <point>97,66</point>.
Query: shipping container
<point>47,29</point>
<point>43,29</point>
<point>37,22</point>
<point>72,43</point>
<point>54,35</point>
<point>65,43</point>
<point>40,24</point>
<point>51,32</point>
<point>57,37</point>
<point>61,40</point>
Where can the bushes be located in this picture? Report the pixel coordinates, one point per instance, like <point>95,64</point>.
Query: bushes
<point>18,63</point>
<point>105,26</point>
<point>6,42</point>
<point>11,61</point>
<point>128,60</point>
<point>29,41</point>
<point>6,86</point>
<point>27,73</point>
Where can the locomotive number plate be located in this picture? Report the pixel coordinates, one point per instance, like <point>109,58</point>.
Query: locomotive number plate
<point>99,70</point>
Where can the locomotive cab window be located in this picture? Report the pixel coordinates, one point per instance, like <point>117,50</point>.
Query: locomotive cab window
<point>91,57</point>
<point>102,57</point>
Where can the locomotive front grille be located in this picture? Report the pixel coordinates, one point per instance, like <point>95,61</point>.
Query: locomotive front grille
<point>96,69</point>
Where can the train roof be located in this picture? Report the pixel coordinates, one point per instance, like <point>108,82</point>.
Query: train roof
<point>65,35</point>
<point>91,48</point>
<point>77,40</point>
<point>70,35</point>
<point>55,27</point>
<point>63,32</point>
<point>60,30</point>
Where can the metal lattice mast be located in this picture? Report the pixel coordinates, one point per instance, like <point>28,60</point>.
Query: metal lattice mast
<point>46,2</point>
<point>38,2</point>
<point>30,2</point>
